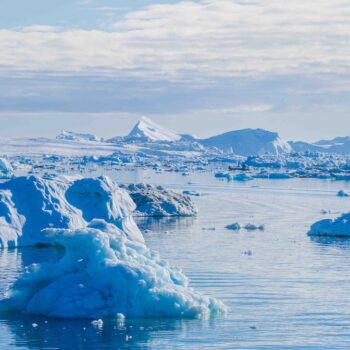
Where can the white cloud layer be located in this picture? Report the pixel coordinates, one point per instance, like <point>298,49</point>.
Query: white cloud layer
<point>194,40</point>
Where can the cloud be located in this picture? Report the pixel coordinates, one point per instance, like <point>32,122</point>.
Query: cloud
<point>260,108</point>
<point>193,41</point>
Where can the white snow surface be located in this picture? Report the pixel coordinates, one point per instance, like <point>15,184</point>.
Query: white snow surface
<point>77,137</point>
<point>247,142</point>
<point>147,129</point>
<point>32,204</point>
<point>339,227</point>
<point>103,274</point>
<point>158,202</point>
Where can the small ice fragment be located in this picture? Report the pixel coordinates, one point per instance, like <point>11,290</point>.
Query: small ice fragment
<point>97,323</point>
<point>252,227</point>
<point>34,325</point>
<point>236,226</point>
<point>120,317</point>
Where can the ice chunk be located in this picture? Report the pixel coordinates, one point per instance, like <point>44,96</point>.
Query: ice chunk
<point>252,227</point>
<point>103,274</point>
<point>43,204</point>
<point>29,205</point>
<point>235,227</point>
<point>342,194</point>
<point>101,198</point>
<point>158,202</point>
<point>339,227</point>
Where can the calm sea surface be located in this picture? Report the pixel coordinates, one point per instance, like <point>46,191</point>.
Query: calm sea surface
<point>284,290</point>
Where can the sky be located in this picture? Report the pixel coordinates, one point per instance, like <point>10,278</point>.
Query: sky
<point>200,67</point>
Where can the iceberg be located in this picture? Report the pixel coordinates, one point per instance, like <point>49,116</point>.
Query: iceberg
<point>29,205</point>
<point>248,142</point>
<point>104,274</point>
<point>339,227</point>
<point>158,201</point>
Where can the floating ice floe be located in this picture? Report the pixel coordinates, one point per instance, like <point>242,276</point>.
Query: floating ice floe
<point>249,227</point>
<point>158,201</point>
<point>102,274</point>
<point>252,227</point>
<point>234,227</point>
<point>28,205</point>
<point>342,194</point>
<point>339,227</point>
<point>191,193</point>
<point>234,177</point>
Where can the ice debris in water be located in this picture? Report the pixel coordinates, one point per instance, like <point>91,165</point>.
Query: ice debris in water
<point>343,194</point>
<point>103,273</point>
<point>97,323</point>
<point>157,201</point>
<point>252,227</point>
<point>249,227</point>
<point>235,227</point>
<point>339,227</point>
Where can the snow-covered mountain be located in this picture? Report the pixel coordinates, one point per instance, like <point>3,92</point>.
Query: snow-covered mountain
<point>339,145</point>
<point>301,146</point>
<point>77,137</point>
<point>248,142</point>
<point>147,130</point>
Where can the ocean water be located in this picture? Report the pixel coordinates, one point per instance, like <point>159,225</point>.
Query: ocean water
<point>283,289</point>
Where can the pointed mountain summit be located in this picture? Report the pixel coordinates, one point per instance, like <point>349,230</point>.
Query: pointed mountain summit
<point>146,129</point>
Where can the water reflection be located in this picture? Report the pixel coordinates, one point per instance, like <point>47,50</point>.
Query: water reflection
<point>44,333</point>
<point>337,242</point>
<point>167,223</point>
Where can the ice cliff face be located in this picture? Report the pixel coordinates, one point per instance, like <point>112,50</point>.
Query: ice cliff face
<point>158,202</point>
<point>32,204</point>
